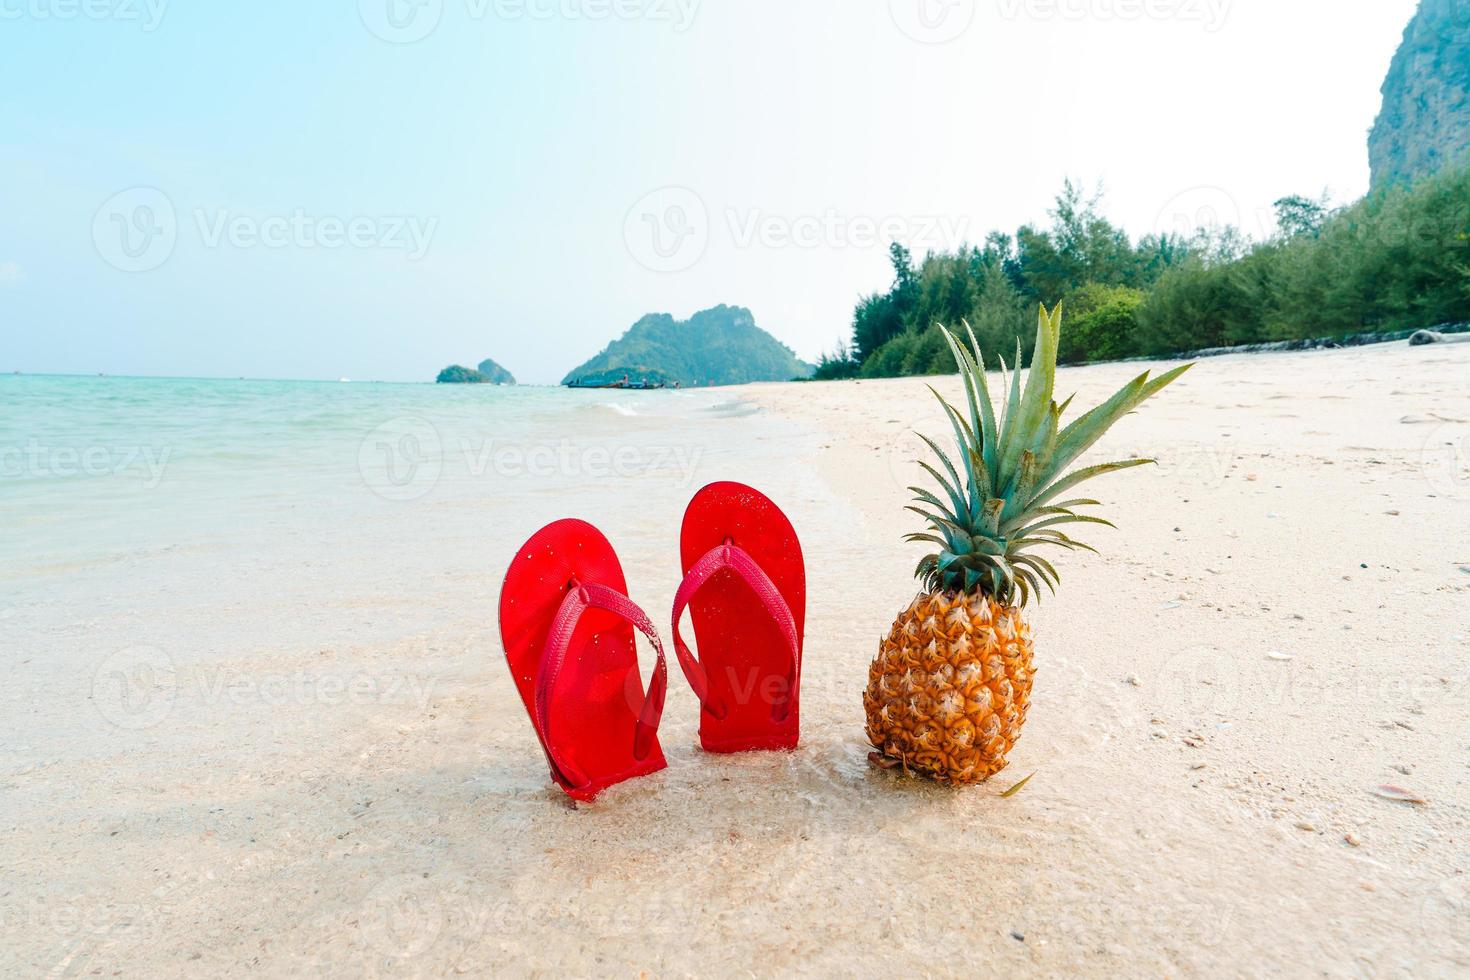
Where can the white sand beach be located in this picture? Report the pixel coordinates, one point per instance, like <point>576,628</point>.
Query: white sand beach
<point>289,743</point>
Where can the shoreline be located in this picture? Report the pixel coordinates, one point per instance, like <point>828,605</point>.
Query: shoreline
<point>341,778</point>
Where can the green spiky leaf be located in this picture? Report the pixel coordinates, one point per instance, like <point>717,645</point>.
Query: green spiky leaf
<point>997,487</point>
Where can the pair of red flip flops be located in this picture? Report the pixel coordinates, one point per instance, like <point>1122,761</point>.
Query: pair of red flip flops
<point>567,625</point>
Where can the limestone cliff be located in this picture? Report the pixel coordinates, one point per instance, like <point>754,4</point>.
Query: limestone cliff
<point>1425,120</point>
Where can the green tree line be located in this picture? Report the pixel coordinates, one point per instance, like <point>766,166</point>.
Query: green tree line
<point>1398,259</point>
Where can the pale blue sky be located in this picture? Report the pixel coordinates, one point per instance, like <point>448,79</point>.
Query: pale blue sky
<point>298,197</point>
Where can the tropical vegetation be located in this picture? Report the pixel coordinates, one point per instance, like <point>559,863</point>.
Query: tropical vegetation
<point>1398,259</point>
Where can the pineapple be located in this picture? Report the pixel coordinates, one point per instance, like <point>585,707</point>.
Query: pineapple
<point>948,692</point>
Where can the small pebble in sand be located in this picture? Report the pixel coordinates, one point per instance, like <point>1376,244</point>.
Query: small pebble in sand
<point>1304,825</point>
<point>1278,655</point>
<point>1019,937</point>
<point>1392,513</point>
<point>1351,840</point>
<point>1133,681</point>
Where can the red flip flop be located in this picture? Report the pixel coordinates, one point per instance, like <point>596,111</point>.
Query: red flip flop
<point>745,589</point>
<point>567,625</point>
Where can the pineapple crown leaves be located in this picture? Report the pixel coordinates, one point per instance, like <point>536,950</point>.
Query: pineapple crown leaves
<point>1000,490</point>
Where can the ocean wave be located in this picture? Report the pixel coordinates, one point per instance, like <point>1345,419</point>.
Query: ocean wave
<point>733,409</point>
<point>626,411</point>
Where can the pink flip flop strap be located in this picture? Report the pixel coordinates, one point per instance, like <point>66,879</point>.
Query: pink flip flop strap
<point>553,656</point>
<point>738,560</point>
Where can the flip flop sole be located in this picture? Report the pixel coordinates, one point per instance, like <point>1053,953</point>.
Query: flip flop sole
<point>594,714</point>
<point>745,656</point>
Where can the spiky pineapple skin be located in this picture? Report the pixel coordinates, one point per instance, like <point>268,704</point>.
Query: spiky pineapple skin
<point>948,692</point>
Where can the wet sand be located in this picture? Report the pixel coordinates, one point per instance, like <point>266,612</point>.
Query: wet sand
<point>328,769</point>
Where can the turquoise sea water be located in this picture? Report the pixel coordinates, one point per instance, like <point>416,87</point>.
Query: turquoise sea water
<point>185,504</point>
<point>95,466</point>
<point>208,523</point>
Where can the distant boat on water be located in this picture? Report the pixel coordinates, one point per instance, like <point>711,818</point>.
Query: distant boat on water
<point>623,383</point>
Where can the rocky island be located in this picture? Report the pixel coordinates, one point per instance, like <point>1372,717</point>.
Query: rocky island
<point>488,373</point>
<point>718,346</point>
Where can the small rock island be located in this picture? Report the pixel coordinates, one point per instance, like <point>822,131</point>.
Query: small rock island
<point>488,373</point>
